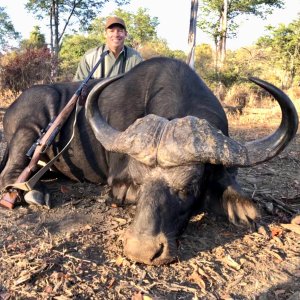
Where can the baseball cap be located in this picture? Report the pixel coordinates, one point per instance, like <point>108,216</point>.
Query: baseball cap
<point>114,20</point>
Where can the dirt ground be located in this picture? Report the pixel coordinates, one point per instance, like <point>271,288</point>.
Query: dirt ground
<point>74,251</point>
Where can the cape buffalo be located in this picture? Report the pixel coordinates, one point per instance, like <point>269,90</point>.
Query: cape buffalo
<point>159,137</point>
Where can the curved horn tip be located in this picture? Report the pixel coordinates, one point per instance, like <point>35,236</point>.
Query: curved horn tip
<point>256,80</point>
<point>266,85</point>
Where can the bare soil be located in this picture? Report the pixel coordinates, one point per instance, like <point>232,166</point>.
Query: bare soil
<point>74,250</point>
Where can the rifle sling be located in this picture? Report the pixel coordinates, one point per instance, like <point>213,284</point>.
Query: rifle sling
<point>29,184</point>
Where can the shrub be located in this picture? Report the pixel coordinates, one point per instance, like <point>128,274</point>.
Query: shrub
<point>238,95</point>
<point>6,98</point>
<point>19,70</point>
<point>243,95</point>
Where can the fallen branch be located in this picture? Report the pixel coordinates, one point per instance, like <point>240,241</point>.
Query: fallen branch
<point>285,207</point>
<point>73,257</point>
<point>292,227</point>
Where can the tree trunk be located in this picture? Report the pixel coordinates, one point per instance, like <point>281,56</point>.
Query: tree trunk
<point>54,22</point>
<point>51,30</point>
<point>216,61</point>
<point>292,65</point>
<point>223,35</point>
<point>221,49</point>
<point>224,31</point>
<point>192,33</point>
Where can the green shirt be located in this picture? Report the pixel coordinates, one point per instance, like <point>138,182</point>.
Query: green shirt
<point>126,60</point>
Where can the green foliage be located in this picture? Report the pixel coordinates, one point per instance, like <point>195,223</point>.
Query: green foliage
<point>178,54</point>
<point>97,29</point>
<point>284,44</point>
<point>247,61</point>
<point>7,30</point>
<point>243,63</point>
<point>73,48</point>
<point>227,77</point>
<point>204,61</point>
<point>155,48</point>
<point>36,39</point>
<point>20,70</point>
<point>160,47</point>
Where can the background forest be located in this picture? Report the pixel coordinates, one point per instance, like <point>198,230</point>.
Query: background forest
<point>43,59</point>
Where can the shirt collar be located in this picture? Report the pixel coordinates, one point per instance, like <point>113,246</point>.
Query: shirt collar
<point>109,52</point>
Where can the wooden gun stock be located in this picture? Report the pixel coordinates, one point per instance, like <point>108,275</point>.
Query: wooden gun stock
<point>8,199</point>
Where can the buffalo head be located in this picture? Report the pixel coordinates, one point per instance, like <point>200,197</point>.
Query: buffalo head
<point>168,168</point>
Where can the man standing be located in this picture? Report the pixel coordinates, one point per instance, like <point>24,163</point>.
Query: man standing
<point>120,58</point>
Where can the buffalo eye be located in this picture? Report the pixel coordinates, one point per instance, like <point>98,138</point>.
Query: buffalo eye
<point>182,194</point>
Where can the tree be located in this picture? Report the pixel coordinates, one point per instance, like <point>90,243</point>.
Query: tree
<point>248,61</point>
<point>36,39</point>
<point>63,14</point>
<point>7,30</point>
<point>284,44</point>
<point>204,63</point>
<point>219,19</point>
<point>155,48</point>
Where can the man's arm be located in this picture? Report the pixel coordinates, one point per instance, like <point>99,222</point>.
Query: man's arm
<point>133,59</point>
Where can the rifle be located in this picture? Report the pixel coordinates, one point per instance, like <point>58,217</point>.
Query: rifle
<point>48,135</point>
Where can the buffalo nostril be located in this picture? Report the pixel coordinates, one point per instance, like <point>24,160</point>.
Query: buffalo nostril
<point>158,253</point>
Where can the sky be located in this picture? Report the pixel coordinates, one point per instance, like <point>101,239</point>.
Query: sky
<point>173,16</point>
